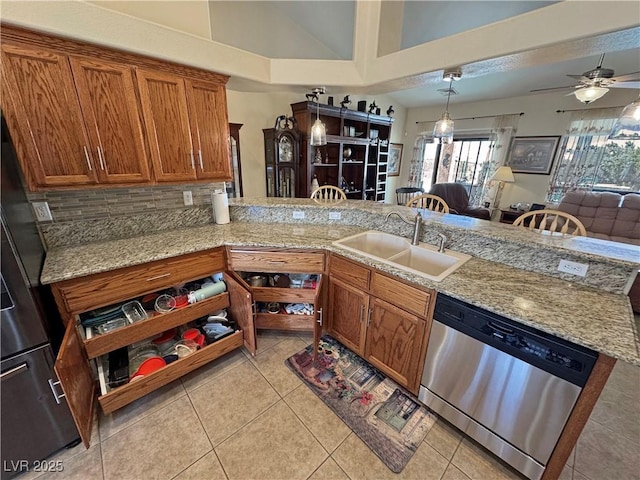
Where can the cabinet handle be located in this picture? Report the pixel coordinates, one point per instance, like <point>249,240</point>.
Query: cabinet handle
<point>319,316</point>
<point>158,276</point>
<point>23,367</point>
<point>200,155</point>
<point>369,318</point>
<point>86,155</point>
<point>100,158</point>
<point>57,397</point>
<point>361,313</point>
<point>193,161</point>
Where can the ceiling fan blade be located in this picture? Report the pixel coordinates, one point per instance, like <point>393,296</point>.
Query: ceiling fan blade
<point>578,77</point>
<point>635,84</point>
<point>552,89</point>
<point>629,77</point>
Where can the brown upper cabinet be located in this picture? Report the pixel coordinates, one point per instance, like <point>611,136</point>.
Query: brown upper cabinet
<point>44,116</point>
<point>83,116</point>
<point>187,127</point>
<point>110,109</point>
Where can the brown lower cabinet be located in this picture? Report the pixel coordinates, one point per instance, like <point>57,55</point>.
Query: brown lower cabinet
<point>382,319</point>
<point>79,350</point>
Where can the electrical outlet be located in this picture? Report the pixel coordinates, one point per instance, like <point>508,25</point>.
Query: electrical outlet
<point>187,196</point>
<point>298,214</point>
<point>574,268</point>
<point>41,209</point>
<point>335,215</point>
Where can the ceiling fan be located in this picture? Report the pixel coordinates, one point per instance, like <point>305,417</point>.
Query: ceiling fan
<point>593,84</point>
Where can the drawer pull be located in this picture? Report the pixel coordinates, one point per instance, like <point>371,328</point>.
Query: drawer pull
<point>57,397</point>
<point>158,276</point>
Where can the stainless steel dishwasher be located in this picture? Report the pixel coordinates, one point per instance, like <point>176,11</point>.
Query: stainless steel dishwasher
<point>508,386</point>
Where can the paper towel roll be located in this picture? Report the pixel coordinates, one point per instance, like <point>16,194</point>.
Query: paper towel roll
<point>220,207</point>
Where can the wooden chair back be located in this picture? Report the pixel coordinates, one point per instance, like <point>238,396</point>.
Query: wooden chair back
<point>328,194</point>
<point>429,202</point>
<point>404,194</point>
<point>553,221</point>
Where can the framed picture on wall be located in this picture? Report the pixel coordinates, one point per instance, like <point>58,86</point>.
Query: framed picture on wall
<point>532,154</point>
<point>395,156</point>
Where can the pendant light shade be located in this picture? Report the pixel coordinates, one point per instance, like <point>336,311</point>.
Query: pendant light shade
<point>590,94</point>
<point>443,129</point>
<point>318,130</point>
<point>627,127</point>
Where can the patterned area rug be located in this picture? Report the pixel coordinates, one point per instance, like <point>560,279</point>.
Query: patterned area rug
<point>385,416</point>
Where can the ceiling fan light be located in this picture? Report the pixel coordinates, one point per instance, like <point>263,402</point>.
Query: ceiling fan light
<point>590,94</point>
<point>443,129</point>
<point>627,126</point>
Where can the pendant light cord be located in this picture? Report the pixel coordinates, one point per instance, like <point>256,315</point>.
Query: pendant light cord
<point>448,96</point>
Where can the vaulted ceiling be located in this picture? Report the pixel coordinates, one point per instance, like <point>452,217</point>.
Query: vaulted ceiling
<point>503,48</point>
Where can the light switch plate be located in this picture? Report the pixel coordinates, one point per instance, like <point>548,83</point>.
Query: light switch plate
<point>574,268</point>
<point>188,198</point>
<point>335,215</point>
<point>298,214</point>
<point>41,209</point>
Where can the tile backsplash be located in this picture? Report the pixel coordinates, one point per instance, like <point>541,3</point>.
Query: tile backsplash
<point>120,212</point>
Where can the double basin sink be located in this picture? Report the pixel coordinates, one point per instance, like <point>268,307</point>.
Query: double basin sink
<point>397,251</point>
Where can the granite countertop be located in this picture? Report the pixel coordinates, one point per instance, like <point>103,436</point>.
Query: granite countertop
<point>587,316</point>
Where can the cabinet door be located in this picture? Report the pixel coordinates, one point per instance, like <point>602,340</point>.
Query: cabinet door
<point>241,307</point>
<point>164,105</point>
<point>209,129</point>
<point>394,340</point>
<point>110,108</point>
<point>76,380</point>
<point>347,312</point>
<point>45,118</point>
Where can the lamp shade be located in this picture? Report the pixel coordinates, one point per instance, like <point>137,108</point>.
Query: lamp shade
<point>590,94</point>
<point>443,129</point>
<point>503,174</point>
<point>627,127</point>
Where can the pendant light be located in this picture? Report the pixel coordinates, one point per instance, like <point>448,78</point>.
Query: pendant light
<point>627,126</point>
<point>443,129</point>
<point>318,130</point>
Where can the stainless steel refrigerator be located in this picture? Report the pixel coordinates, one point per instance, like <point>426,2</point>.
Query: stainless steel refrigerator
<point>35,418</point>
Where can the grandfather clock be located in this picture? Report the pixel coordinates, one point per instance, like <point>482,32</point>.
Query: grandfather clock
<point>282,158</point>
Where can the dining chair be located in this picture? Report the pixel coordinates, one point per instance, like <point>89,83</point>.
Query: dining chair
<point>404,194</point>
<point>328,194</point>
<point>429,202</point>
<point>553,221</point>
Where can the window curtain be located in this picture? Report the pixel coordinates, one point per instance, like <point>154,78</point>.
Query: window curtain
<point>418,160</point>
<point>581,151</point>
<point>503,129</point>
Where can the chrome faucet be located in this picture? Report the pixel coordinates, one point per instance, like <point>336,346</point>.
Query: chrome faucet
<point>441,241</point>
<point>417,223</point>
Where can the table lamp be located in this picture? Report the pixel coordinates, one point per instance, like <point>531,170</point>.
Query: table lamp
<point>502,175</point>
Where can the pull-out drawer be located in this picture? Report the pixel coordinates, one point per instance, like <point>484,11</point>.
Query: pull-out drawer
<point>85,293</point>
<point>274,262</point>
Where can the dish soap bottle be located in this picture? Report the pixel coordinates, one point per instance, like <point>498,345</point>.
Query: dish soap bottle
<point>314,183</point>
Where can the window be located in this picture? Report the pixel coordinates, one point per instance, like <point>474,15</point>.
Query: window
<point>588,159</point>
<point>463,161</point>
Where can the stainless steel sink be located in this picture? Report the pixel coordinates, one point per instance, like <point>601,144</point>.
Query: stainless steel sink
<point>422,259</point>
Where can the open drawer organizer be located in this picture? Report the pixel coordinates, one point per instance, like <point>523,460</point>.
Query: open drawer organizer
<point>136,338</point>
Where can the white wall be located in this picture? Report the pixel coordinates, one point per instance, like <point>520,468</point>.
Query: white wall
<point>539,119</point>
<point>259,110</point>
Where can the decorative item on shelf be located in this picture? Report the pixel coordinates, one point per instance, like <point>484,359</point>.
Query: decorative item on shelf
<point>390,111</point>
<point>372,107</point>
<point>362,105</point>
<point>330,101</point>
<point>346,153</point>
<point>627,126</point>
<point>318,130</point>
<point>343,184</point>
<point>345,101</point>
<point>443,128</point>
<point>317,158</point>
<point>502,175</point>
<point>377,110</point>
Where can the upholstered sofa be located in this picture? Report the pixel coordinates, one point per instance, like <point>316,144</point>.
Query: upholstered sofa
<point>609,216</point>
<point>456,196</point>
<point>606,215</point>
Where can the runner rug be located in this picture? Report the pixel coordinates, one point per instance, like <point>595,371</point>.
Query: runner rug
<point>385,416</point>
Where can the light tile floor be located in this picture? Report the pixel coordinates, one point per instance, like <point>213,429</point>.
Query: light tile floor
<point>250,418</point>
